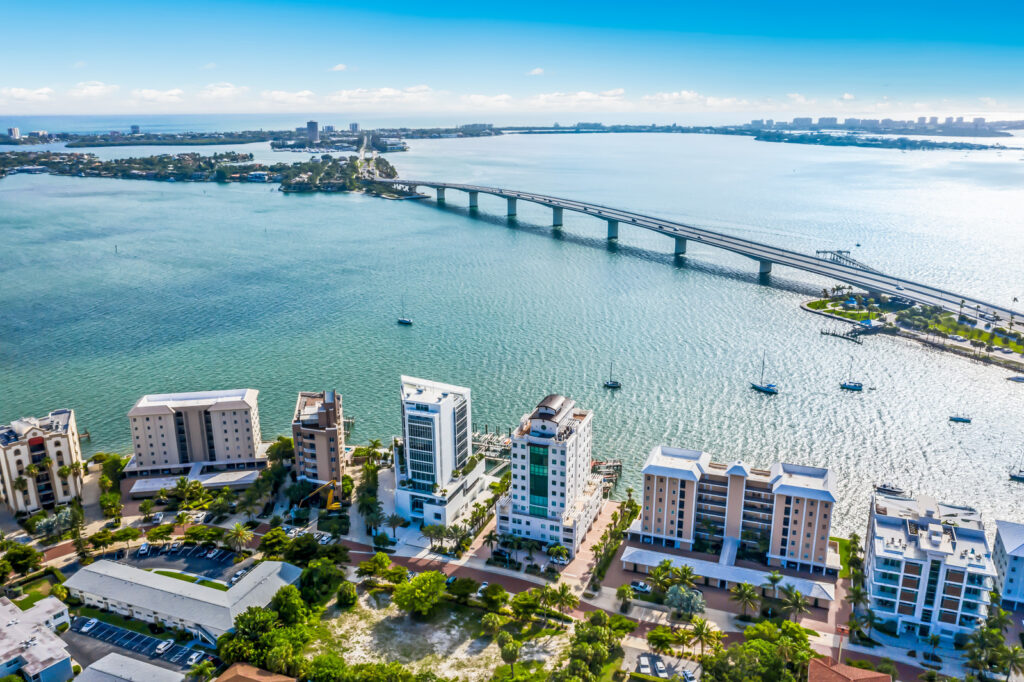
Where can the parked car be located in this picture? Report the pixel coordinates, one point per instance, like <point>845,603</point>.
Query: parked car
<point>640,586</point>
<point>450,580</point>
<point>480,592</point>
<point>559,561</point>
<point>688,676</point>
<point>660,669</point>
<point>144,550</point>
<point>501,554</point>
<point>325,540</point>
<point>163,646</point>
<point>158,518</point>
<point>194,658</point>
<point>89,624</point>
<point>643,667</point>
<point>212,553</point>
<point>175,546</point>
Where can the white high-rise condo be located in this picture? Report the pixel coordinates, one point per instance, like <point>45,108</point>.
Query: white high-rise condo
<point>927,565</point>
<point>1008,557</point>
<point>553,497</point>
<point>40,460</point>
<point>175,434</point>
<point>438,476</point>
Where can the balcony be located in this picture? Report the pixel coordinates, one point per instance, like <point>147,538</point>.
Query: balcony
<point>885,579</point>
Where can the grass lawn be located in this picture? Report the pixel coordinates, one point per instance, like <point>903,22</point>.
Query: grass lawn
<point>610,669</point>
<point>844,556</point>
<point>115,619</point>
<point>192,579</point>
<point>34,592</point>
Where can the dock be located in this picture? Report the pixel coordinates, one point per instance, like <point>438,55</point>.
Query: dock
<point>610,472</point>
<point>849,335</point>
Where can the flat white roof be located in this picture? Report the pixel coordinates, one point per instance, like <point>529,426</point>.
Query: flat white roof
<point>665,460</point>
<point>161,403</point>
<point>812,589</point>
<point>1012,535</point>
<point>117,668</point>
<point>425,391</point>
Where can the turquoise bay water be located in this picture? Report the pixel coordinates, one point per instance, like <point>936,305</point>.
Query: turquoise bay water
<point>221,287</point>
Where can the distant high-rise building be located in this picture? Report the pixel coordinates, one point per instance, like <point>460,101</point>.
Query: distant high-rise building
<point>979,122</point>
<point>827,122</point>
<point>949,120</point>
<point>933,120</point>
<point>851,122</point>
<point>757,123</point>
<point>353,127</point>
<point>476,127</point>
<point>135,130</point>
<point>959,119</point>
<point>14,133</point>
<point>312,131</point>
<point>328,129</point>
<point>921,120</point>
<point>802,122</point>
<point>768,123</point>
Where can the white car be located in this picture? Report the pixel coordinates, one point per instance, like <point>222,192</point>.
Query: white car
<point>559,560</point>
<point>89,624</point>
<point>480,592</point>
<point>660,669</point>
<point>144,550</point>
<point>643,667</point>
<point>325,540</point>
<point>194,658</point>
<point>163,646</point>
<point>158,518</point>
<point>640,586</point>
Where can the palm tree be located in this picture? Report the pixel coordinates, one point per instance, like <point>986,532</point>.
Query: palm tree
<point>1000,619</point>
<point>531,546</point>
<point>565,599</point>
<point>454,533</point>
<point>1013,661</point>
<point>238,536</point>
<point>871,620</point>
<point>21,483</point>
<point>772,580</point>
<point>394,522</point>
<point>629,494</point>
<point>793,604</point>
<point>373,449</point>
<point>661,576</point>
<point>491,539</point>
<point>933,642</point>
<point>31,471</point>
<point>202,671</point>
<point>854,625</point>
<point>746,596</point>
<point>684,575</point>
<point>558,552</point>
<point>857,596</point>
<point>625,594</point>
<point>182,518</point>
<point>701,632</point>
<point>373,521</point>
<point>516,544</point>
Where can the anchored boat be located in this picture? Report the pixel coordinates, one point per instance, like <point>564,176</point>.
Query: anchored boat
<point>769,389</point>
<point>611,383</point>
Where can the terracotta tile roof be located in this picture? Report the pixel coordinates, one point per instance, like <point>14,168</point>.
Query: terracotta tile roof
<point>243,672</point>
<point>826,670</point>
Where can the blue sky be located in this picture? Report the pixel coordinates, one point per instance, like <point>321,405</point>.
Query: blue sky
<point>506,62</point>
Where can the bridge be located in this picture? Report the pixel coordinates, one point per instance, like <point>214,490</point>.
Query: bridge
<point>836,265</point>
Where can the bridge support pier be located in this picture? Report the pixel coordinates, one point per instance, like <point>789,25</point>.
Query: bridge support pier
<point>511,207</point>
<point>680,246</point>
<point>440,195</point>
<point>474,199</point>
<point>556,216</point>
<point>613,230</point>
<point>764,267</point>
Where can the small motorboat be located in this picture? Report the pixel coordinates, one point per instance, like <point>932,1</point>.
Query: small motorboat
<point>852,386</point>
<point>960,419</point>
<point>890,489</point>
<point>1017,474</point>
<point>1019,380</point>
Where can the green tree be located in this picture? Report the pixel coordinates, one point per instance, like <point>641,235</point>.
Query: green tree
<point>101,539</point>
<point>281,449</point>
<point>772,581</point>
<point>564,598</point>
<point>347,595</point>
<point>320,580</point>
<point>746,596</point>
<point>685,601</point>
<point>661,639</point>
<point>463,588</point>
<point>238,536</point>
<point>127,535</point>
<point>421,594</point>
<point>510,654</point>
<point>202,671</point>
<point>328,667</point>
<point>274,542</point>
<point>793,603</point>
<point>394,522</point>
<point>492,623</point>
<point>494,597</point>
<point>301,550</point>
<point>146,507</point>
<point>624,593</point>
<point>160,533</point>
<point>289,604</point>
<point>701,633</point>
<point>525,604</point>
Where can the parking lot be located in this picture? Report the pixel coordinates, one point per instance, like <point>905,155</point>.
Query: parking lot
<point>644,661</point>
<point>142,646</point>
<point>190,559</point>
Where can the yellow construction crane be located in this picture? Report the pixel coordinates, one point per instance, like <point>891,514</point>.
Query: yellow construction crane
<point>331,504</point>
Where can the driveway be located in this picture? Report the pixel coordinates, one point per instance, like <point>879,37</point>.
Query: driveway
<point>103,639</point>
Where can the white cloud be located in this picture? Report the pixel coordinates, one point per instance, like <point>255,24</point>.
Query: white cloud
<point>417,95</point>
<point>583,100</point>
<point>339,67</point>
<point>209,66</point>
<point>92,89</point>
<point>150,95</point>
<point>797,98</point>
<point>286,97</point>
<point>78,65</point>
<point>988,101</point>
<point>26,95</point>
<point>847,97</point>
<point>535,72</point>
<point>692,100</point>
<point>222,91</point>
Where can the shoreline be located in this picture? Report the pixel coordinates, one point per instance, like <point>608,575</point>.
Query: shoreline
<point>899,332</point>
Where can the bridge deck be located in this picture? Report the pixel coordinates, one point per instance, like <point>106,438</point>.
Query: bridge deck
<point>871,280</point>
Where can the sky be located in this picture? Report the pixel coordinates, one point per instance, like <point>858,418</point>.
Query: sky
<point>527,61</point>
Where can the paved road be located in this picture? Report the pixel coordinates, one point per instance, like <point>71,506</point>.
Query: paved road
<point>137,645</point>
<point>867,279</point>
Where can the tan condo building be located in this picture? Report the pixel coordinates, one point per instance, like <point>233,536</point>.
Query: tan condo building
<point>40,460</point>
<point>782,514</point>
<point>319,434</point>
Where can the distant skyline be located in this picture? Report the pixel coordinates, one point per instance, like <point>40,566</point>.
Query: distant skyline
<point>461,62</point>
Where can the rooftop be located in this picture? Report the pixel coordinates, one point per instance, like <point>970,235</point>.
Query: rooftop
<point>23,634</point>
<point>57,421</point>
<point>1012,535</point>
<point>424,391</point>
<point>665,460</point>
<point>163,403</point>
<point>243,672</point>
<point>118,668</point>
<point>826,670</point>
<point>211,608</point>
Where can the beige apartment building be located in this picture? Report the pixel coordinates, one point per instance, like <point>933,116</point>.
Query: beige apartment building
<point>783,513</point>
<point>319,434</point>
<point>40,460</point>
